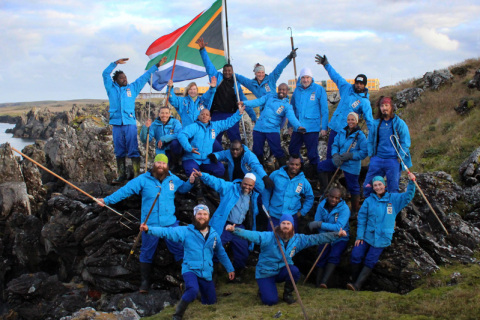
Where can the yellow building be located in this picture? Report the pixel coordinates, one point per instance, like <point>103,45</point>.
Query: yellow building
<point>372,84</point>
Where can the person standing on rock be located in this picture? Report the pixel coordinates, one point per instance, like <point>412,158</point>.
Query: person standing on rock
<point>165,131</point>
<point>189,106</point>
<point>273,109</point>
<point>271,268</point>
<point>263,83</point>
<point>238,205</point>
<point>388,135</point>
<point>291,186</point>
<point>309,101</point>
<point>375,228</point>
<point>122,95</point>
<point>354,98</point>
<point>159,178</point>
<point>332,216</point>
<point>201,243</point>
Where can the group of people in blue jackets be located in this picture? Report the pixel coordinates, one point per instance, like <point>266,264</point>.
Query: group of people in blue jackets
<point>246,190</point>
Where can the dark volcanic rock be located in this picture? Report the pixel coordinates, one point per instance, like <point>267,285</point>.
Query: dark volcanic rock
<point>469,170</point>
<point>434,80</point>
<point>464,107</point>
<point>407,96</point>
<point>475,82</point>
<point>144,304</point>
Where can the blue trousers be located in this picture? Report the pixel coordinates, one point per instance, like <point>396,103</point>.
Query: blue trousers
<point>276,223</point>
<point>233,133</point>
<point>125,142</point>
<point>352,179</point>
<point>311,142</point>
<point>332,254</point>
<point>149,245</point>
<point>268,288</point>
<point>331,138</point>
<point>193,284</point>
<point>273,139</point>
<point>366,254</point>
<point>174,148</point>
<point>383,167</point>
<point>217,169</point>
<point>239,247</point>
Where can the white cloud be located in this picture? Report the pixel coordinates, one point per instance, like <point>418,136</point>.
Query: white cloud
<point>436,40</point>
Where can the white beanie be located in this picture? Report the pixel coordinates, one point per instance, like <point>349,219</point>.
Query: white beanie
<point>306,72</point>
<point>250,176</point>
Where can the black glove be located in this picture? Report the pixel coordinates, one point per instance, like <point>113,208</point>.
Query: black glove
<point>321,60</point>
<point>292,54</point>
<point>301,130</point>
<point>314,225</point>
<point>337,161</point>
<point>268,183</point>
<point>213,158</point>
<point>346,156</point>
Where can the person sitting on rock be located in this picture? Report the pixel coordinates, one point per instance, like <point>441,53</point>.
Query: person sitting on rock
<point>238,205</point>
<point>201,242</point>
<point>291,186</point>
<point>388,140</point>
<point>240,162</point>
<point>349,149</point>
<point>263,83</point>
<point>354,98</point>
<point>375,228</point>
<point>197,140</point>
<point>332,216</point>
<point>164,130</point>
<point>273,109</point>
<point>189,106</point>
<point>122,97</point>
<point>158,179</point>
<point>271,267</point>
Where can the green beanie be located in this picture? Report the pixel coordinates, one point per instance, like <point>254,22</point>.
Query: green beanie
<point>161,158</point>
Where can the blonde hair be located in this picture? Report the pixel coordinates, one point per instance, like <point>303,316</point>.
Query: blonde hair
<point>191,84</point>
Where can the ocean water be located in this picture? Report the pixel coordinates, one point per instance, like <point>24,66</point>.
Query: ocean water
<point>17,143</point>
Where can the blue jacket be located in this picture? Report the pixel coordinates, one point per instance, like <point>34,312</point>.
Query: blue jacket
<point>400,129</point>
<point>211,71</point>
<point>272,112</point>
<point>249,163</point>
<point>122,99</point>
<point>189,109</point>
<point>162,132</point>
<point>270,260</point>
<point>334,220</point>
<point>229,194</point>
<point>269,83</point>
<point>376,217</point>
<point>350,101</point>
<point>163,215</point>
<point>198,251</point>
<point>311,106</point>
<point>202,136</point>
<point>341,143</point>
<point>287,194</point>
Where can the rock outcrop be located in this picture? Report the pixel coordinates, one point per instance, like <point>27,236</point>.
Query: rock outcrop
<point>475,82</point>
<point>434,80</point>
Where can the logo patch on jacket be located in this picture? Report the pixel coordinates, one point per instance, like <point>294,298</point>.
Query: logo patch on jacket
<point>129,93</point>
<point>389,208</point>
<point>355,104</point>
<point>201,107</point>
<point>267,87</point>
<point>280,109</point>
<point>171,131</point>
<point>248,167</point>
<point>213,134</point>
<point>299,188</point>
<point>292,253</point>
<point>312,96</point>
<point>171,185</point>
<point>214,243</point>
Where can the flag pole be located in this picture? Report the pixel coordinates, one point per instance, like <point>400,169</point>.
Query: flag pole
<point>148,117</point>
<point>234,77</point>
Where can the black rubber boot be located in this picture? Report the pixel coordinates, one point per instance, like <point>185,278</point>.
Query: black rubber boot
<point>199,192</point>
<point>288,292</point>
<point>364,274</point>
<point>355,269</point>
<point>180,310</point>
<point>121,168</point>
<point>319,276</point>
<point>329,269</point>
<point>136,167</point>
<point>323,179</point>
<point>282,161</point>
<point>145,272</point>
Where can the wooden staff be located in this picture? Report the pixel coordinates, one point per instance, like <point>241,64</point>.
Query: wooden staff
<point>286,263</point>
<point>238,100</point>
<point>293,48</point>
<point>148,129</point>
<point>315,263</point>
<point>75,187</point>
<point>140,233</point>
<point>171,77</point>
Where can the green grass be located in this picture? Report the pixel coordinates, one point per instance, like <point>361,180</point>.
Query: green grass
<point>436,298</point>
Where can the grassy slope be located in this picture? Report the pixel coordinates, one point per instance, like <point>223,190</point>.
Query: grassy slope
<point>436,298</point>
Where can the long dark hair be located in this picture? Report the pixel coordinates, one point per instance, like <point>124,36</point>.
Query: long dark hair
<point>378,114</point>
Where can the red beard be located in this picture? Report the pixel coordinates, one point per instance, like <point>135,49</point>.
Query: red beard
<point>284,235</point>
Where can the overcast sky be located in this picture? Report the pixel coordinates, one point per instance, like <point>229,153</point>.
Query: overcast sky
<point>57,49</point>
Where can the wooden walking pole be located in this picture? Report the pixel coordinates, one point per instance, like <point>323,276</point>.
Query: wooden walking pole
<point>286,264</point>
<point>73,186</point>
<point>293,48</point>
<point>137,239</point>
<point>238,100</point>
<point>171,77</point>
<point>148,129</point>
<point>315,263</point>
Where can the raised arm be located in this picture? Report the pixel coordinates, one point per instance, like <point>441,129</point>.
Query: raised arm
<point>176,234</point>
<point>132,187</point>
